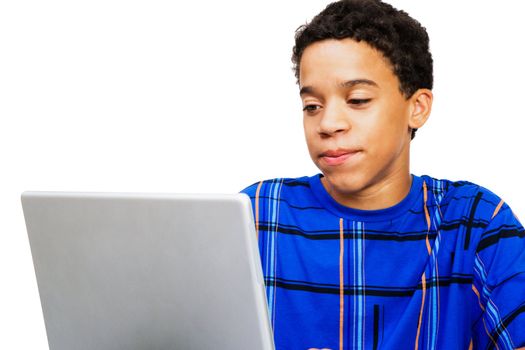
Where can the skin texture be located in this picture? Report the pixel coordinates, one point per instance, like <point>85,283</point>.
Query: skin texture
<point>374,118</point>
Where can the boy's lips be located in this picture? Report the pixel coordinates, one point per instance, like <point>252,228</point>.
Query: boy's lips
<point>336,157</point>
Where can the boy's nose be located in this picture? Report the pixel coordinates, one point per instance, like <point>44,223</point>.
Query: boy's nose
<point>334,120</point>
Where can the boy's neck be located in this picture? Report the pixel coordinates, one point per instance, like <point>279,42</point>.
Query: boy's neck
<point>386,193</point>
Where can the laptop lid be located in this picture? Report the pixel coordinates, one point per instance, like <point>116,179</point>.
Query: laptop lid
<point>147,271</point>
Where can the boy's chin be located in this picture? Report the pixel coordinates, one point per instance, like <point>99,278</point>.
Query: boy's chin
<point>343,184</point>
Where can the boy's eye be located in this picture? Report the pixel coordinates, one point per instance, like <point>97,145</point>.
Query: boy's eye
<point>310,108</point>
<point>359,101</point>
<point>352,101</point>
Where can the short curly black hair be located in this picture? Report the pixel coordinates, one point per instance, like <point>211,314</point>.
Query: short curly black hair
<point>402,40</point>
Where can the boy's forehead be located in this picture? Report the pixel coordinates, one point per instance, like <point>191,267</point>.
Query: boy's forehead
<point>343,63</point>
<point>309,89</point>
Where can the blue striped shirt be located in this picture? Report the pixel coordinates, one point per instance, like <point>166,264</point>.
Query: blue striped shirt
<point>442,269</point>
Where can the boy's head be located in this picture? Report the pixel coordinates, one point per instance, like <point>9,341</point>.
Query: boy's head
<point>365,76</point>
<point>400,39</point>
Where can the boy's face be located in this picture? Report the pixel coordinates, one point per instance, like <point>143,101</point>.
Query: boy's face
<point>356,121</point>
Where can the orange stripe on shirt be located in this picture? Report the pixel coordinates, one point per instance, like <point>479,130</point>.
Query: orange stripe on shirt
<point>497,209</point>
<point>424,278</point>
<point>427,215</point>
<point>475,290</point>
<point>488,333</point>
<point>423,292</point>
<point>257,209</point>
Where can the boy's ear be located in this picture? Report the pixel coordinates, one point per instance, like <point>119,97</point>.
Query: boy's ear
<point>420,107</point>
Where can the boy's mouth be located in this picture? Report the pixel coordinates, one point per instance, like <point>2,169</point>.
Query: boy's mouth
<point>336,157</point>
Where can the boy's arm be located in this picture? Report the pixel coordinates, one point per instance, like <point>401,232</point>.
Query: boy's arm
<point>499,283</point>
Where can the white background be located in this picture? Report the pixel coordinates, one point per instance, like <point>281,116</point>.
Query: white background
<point>165,96</point>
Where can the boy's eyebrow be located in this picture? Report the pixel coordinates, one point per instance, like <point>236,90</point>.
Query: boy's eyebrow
<point>345,84</point>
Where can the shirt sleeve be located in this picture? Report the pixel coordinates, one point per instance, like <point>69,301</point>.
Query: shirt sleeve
<point>499,283</point>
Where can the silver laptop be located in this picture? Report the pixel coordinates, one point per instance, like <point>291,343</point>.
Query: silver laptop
<point>147,271</point>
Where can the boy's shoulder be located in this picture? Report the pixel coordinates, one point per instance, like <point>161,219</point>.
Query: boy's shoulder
<point>465,197</point>
<point>458,188</point>
<point>277,183</point>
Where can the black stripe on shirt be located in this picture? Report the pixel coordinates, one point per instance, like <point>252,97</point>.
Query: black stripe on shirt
<point>388,236</point>
<point>367,290</point>
<point>293,183</point>
<point>503,233</point>
<point>376,327</point>
<point>471,220</point>
<point>495,334</point>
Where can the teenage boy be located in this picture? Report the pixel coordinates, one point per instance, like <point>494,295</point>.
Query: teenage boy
<point>367,255</point>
